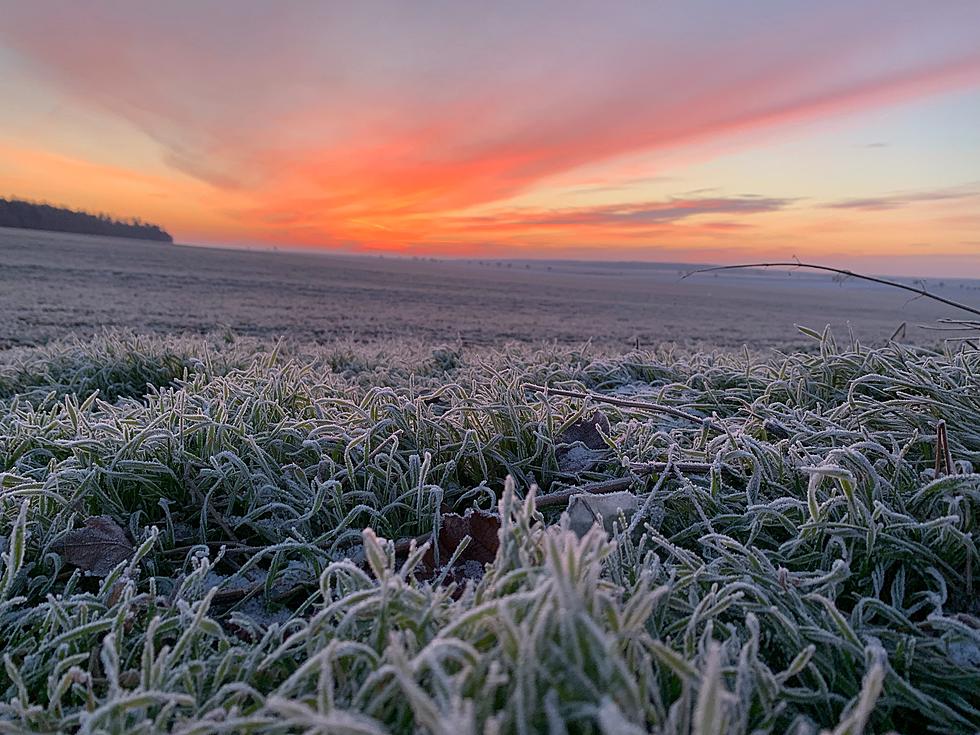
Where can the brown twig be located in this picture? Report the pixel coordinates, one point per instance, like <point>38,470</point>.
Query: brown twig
<point>692,467</point>
<point>625,403</point>
<point>230,548</point>
<point>621,483</point>
<point>596,488</point>
<point>944,458</point>
<point>918,290</point>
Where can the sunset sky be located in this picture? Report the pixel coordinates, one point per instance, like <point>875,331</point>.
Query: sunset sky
<point>840,131</point>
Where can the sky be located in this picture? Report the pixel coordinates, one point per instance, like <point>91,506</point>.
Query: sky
<point>842,132</point>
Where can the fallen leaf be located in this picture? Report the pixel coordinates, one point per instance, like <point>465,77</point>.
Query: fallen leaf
<point>480,525</point>
<point>581,446</point>
<point>584,430</point>
<point>97,548</point>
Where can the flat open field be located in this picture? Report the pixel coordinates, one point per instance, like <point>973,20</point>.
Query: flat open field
<point>55,285</point>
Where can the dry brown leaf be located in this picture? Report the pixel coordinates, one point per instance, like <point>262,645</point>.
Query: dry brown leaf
<point>482,527</point>
<point>98,547</point>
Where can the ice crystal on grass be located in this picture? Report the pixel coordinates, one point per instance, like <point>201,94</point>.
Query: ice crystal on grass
<point>802,560</point>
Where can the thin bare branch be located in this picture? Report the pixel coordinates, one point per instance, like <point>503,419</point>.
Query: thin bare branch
<point>625,403</point>
<point>920,291</point>
<point>616,484</point>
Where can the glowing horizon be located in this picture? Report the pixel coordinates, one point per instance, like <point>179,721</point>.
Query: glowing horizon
<point>698,131</point>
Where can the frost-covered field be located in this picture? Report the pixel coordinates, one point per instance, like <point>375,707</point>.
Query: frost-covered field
<point>54,286</point>
<point>198,536</point>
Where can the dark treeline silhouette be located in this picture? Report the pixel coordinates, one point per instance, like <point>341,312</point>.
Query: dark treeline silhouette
<point>34,216</point>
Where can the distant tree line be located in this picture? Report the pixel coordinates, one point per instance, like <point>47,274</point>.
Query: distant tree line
<point>35,216</point>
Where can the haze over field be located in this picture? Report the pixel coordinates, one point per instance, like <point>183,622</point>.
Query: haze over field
<point>55,285</point>
<point>700,131</point>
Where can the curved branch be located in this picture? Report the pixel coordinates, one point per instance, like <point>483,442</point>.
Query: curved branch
<point>624,403</point>
<point>850,274</point>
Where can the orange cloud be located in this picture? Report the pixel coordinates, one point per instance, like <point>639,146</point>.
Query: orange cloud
<point>407,187</point>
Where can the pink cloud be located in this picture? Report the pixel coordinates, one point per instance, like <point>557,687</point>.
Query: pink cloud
<point>899,200</point>
<point>630,215</point>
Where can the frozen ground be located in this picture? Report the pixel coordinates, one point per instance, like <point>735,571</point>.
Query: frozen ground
<point>189,539</point>
<point>54,285</point>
